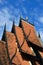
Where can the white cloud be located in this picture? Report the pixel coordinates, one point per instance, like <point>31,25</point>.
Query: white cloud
<point>0,1</point>
<point>23,0</point>
<point>3,1</point>
<point>24,9</point>
<point>41,19</point>
<point>9,26</point>
<point>7,17</point>
<point>41,33</point>
<point>4,16</point>
<point>9,14</point>
<point>22,6</point>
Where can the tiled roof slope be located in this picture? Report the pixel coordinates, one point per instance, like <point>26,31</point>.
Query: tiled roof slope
<point>18,47</point>
<point>41,53</point>
<point>11,43</point>
<point>25,47</point>
<point>37,63</point>
<point>22,42</point>
<point>4,59</point>
<point>15,55</point>
<point>30,33</point>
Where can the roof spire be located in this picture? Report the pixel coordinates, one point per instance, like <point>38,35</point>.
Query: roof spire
<point>13,26</point>
<point>20,21</point>
<point>20,18</point>
<point>27,18</point>
<point>39,35</point>
<point>4,34</point>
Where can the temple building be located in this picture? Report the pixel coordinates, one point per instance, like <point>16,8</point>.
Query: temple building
<point>21,46</point>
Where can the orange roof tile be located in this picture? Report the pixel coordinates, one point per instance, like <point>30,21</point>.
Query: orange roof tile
<point>30,33</point>
<point>37,63</point>
<point>22,42</point>
<point>26,63</point>
<point>11,41</point>
<point>18,58</point>
<point>4,59</point>
<point>41,53</point>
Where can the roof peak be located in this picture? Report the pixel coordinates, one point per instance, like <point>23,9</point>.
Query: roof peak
<point>26,21</point>
<point>4,33</point>
<point>12,30</point>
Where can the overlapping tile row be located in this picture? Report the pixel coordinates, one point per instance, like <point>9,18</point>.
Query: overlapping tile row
<point>14,53</point>
<point>22,42</point>
<point>23,45</point>
<point>32,39</point>
<point>4,58</point>
<point>30,33</point>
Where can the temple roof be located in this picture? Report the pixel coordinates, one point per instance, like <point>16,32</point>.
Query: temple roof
<point>22,41</point>
<point>15,55</point>
<point>18,45</point>
<point>11,43</point>
<point>4,54</point>
<point>30,32</point>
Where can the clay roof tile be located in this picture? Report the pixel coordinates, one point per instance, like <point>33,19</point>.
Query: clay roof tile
<point>4,58</point>
<point>22,42</point>
<point>12,46</point>
<point>41,53</point>
<point>30,33</point>
<point>11,42</point>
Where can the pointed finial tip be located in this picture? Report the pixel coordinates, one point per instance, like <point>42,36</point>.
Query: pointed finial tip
<point>39,35</point>
<point>26,18</point>
<point>5,26</point>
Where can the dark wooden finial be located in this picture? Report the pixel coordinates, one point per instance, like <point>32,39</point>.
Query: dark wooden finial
<point>4,33</point>
<point>13,27</point>
<point>39,35</point>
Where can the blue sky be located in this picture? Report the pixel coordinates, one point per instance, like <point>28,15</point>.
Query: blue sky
<point>12,10</point>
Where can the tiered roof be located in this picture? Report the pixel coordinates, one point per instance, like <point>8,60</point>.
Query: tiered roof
<point>14,53</point>
<point>23,45</point>
<point>30,32</point>
<point>22,41</point>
